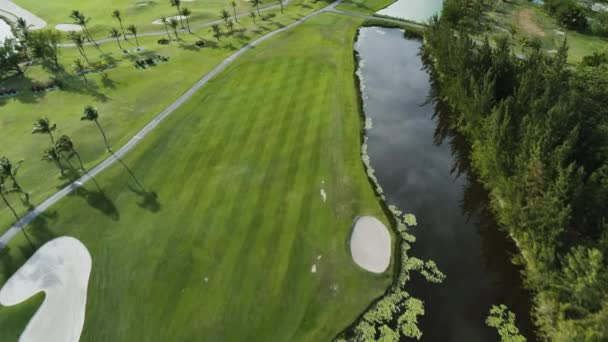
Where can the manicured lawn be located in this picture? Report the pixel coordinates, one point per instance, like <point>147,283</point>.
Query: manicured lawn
<point>364,6</point>
<point>127,98</point>
<point>58,12</point>
<point>533,21</point>
<point>223,250</point>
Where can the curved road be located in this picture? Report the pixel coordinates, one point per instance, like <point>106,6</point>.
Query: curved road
<point>114,157</point>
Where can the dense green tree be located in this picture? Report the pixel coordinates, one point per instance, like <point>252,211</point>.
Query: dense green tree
<point>10,58</point>
<point>538,134</point>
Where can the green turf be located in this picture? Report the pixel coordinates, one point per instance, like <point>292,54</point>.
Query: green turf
<point>58,12</point>
<point>237,173</point>
<point>580,44</point>
<point>364,6</point>
<point>127,98</point>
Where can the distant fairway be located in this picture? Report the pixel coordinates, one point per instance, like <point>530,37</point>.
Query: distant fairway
<point>58,11</point>
<point>223,251</point>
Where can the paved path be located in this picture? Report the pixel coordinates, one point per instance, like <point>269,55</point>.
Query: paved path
<point>13,11</point>
<point>114,157</point>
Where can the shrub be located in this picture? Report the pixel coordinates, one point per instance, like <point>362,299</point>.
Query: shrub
<point>200,43</point>
<point>163,41</point>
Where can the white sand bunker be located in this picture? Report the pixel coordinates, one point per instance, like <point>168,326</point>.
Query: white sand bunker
<point>370,244</point>
<point>177,17</point>
<point>61,269</point>
<point>68,27</point>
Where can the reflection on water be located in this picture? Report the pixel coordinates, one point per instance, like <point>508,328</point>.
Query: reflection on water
<point>414,10</point>
<point>455,227</point>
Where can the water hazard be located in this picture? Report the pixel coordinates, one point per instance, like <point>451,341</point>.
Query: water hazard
<point>455,228</point>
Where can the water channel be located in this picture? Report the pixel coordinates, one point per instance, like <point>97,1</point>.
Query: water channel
<point>415,169</point>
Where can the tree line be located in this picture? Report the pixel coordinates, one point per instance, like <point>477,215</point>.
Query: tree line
<point>538,133</point>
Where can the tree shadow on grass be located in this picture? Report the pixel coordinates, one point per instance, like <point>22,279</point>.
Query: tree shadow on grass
<point>97,199</point>
<point>148,199</point>
<point>107,82</point>
<point>188,47</point>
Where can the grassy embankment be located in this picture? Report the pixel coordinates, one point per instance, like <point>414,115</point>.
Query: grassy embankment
<point>127,98</point>
<point>224,249</point>
<point>532,20</point>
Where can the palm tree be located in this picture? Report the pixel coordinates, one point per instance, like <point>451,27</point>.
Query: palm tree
<point>78,40</point>
<point>43,126</point>
<point>116,35</point>
<point>178,3</point>
<point>5,191</point>
<point>173,24</point>
<point>91,114</point>
<point>50,154</point>
<point>80,69</point>
<point>233,4</point>
<point>133,30</point>
<point>22,32</point>
<point>186,13</point>
<point>80,19</point>
<point>230,26</point>
<point>281,4</point>
<point>166,23</point>
<point>116,15</point>
<point>252,15</point>
<point>65,144</point>
<point>256,4</point>
<point>8,171</point>
<point>225,15</point>
<point>217,31</point>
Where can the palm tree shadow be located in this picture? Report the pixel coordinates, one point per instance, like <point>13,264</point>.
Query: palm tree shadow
<point>148,199</point>
<point>97,199</point>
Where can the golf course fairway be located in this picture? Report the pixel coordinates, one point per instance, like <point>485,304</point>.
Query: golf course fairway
<point>208,229</point>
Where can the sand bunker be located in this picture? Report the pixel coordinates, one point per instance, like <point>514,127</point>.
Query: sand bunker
<point>370,244</point>
<point>68,27</point>
<point>177,17</point>
<point>61,269</point>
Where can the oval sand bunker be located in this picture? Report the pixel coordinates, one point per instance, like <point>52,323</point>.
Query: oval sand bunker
<point>68,27</point>
<point>61,269</point>
<point>370,244</point>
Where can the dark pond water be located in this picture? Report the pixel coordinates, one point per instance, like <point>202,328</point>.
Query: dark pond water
<point>455,228</point>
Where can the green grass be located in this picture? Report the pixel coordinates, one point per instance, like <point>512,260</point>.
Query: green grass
<point>100,11</point>
<point>580,44</point>
<point>364,6</point>
<point>237,173</point>
<point>127,98</point>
